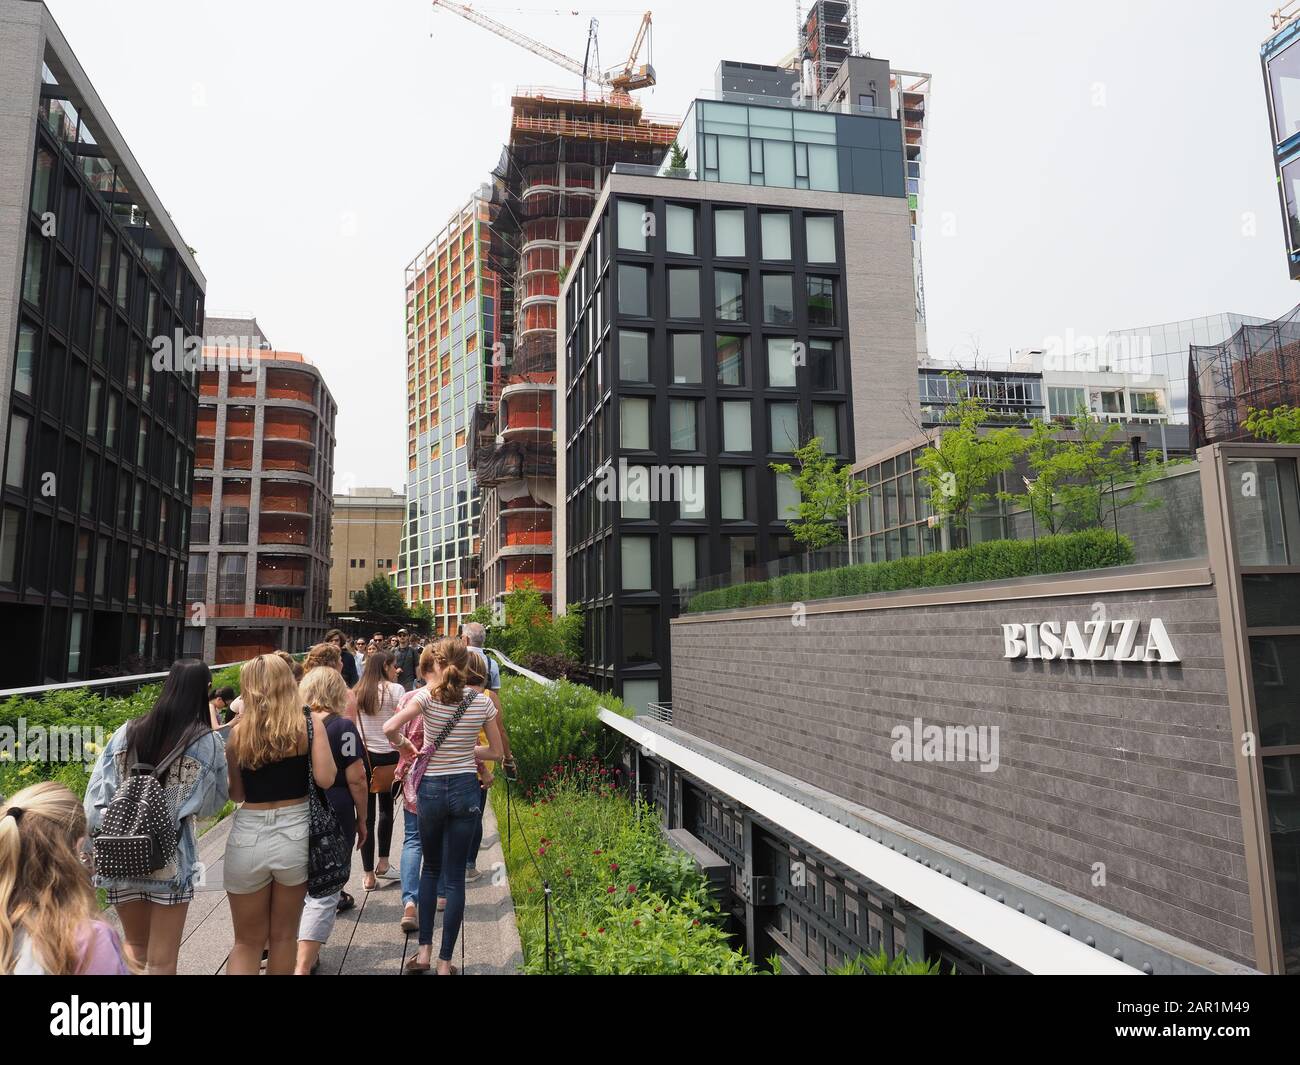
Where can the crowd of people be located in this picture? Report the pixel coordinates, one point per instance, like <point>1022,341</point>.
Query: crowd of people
<point>358,727</point>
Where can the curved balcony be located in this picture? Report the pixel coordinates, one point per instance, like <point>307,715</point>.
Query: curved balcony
<point>287,457</point>
<point>291,384</point>
<point>240,423</point>
<point>209,384</point>
<point>537,316</point>
<point>284,529</point>
<point>289,426</point>
<point>540,259</point>
<point>529,412</point>
<point>206,427</point>
<point>238,455</point>
<point>287,497</point>
<point>281,571</point>
<point>205,454</point>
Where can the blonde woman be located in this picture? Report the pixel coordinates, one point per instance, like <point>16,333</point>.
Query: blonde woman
<point>448,795</point>
<point>325,692</point>
<point>50,924</point>
<point>328,654</point>
<point>268,758</point>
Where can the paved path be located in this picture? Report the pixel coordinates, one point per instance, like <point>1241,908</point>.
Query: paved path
<point>366,940</point>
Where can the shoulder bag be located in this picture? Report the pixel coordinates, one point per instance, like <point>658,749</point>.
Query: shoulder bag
<point>329,861</point>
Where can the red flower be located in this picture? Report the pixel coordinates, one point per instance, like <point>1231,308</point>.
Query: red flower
<point>636,924</point>
<point>695,923</point>
<point>541,852</point>
<point>614,866</point>
<point>568,872</point>
<point>631,889</point>
<point>610,890</point>
<point>601,931</point>
<point>597,852</point>
<point>584,935</point>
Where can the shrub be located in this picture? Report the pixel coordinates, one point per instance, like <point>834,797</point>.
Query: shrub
<point>553,667</point>
<point>881,964</point>
<point>992,561</point>
<point>548,723</point>
<point>622,900</point>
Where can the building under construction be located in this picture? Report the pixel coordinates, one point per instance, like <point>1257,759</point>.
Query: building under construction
<point>1256,368</point>
<point>561,148</point>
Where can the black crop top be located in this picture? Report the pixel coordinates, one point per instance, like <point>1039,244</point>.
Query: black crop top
<point>278,781</point>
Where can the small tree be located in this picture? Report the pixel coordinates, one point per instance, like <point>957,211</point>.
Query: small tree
<point>960,468</point>
<point>422,617</point>
<point>676,157</point>
<point>1089,468</point>
<point>827,491</point>
<point>1280,424</point>
<point>1044,450</point>
<point>380,597</point>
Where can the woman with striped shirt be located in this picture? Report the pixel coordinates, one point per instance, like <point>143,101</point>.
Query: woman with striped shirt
<point>449,801</point>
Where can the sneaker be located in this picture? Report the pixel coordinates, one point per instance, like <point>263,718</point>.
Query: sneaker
<point>472,875</point>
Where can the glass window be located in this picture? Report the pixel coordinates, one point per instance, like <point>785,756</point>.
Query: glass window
<point>826,425</point>
<point>16,459</point>
<point>633,290</point>
<point>681,230</point>
<point>733,160</point>
<point>820,230</point>
<point>1066,402</point>
<point>26,359</point>
<point>635,494</point>
<point>633,221</point>
<point>821,302</point>
<point>823,167</point>
<point>785,426</point>
<point>822,365</point>
<point>1257,516</point>
<point>683,293</point>
<point>32,271</point>
<point>1112,402</point>
<point>778,165</point>
<point>778,299</point>
<point>692,495</point>
<point>634,423</point>
<point>742,553</point>
<point>639,694</point>
<point>731,361</point>
<point>633,355</point>
<point>1144,402</point>
<point>682,422</point>
<point>1284,86</point>
<point>733,494</point>
<point>729,232</point>
<point>787,497</point>
<point>638,630</point>
<point>780,362</point>
<point>686,359</point>
<point>776,234</point>
<point>636,563</point>
<point>737,435</point>
<point>13,520</point>
<point>684,560</point>
<point>729,295</point>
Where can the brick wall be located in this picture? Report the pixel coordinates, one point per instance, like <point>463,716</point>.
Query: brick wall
<point>1128,765</point>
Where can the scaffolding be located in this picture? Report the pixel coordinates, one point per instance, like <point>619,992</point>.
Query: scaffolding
<point>1256,368</point>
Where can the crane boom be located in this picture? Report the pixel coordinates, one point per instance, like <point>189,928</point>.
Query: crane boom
<point>466,12</point>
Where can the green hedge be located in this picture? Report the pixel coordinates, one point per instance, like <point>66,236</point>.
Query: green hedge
<point>993,561</point>
<point>550,724</point>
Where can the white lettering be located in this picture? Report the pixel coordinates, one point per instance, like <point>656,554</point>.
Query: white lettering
<point>1098,640</point>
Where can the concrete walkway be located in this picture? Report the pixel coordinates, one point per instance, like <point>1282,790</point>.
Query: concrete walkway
<point>367,940</point>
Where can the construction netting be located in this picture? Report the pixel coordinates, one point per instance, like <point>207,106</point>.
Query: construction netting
<point>1256,368</point>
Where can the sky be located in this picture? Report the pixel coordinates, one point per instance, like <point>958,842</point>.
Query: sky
<point>1091,166</point>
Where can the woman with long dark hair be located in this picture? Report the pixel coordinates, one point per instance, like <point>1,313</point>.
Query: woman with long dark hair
<point>183,723</point>
<point>377,697</point>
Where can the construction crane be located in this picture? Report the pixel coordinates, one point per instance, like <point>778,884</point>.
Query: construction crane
<point>619,80</point>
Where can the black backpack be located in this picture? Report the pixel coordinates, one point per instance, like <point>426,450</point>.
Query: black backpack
<point>137,835</point>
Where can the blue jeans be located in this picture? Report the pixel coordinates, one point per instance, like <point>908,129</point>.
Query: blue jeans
<point>410,857</point>
<point>475,842</point>
<point>450,807</point>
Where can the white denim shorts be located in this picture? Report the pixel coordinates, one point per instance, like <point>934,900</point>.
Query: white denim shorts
<point>266,845</point>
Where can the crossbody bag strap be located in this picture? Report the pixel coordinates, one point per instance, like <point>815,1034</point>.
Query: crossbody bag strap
<point>365,751</point>
<point>455,720</point>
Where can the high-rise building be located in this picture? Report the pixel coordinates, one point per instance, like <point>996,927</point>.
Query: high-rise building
<point>551,172</point>
<point>367,539</point>
<point>713,321</point>
<point>96,419</point>
<point>451,335</point>
<point>260,539</point>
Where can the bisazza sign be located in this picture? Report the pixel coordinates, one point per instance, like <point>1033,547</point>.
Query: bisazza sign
<point>1091,641</point>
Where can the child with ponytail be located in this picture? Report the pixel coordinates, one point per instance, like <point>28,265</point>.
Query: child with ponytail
<point>50,924</point>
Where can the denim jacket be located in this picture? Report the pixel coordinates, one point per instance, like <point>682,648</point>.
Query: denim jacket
<point>195,786</point>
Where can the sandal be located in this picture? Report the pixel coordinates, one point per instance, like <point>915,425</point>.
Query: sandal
<point>346,902</point>
<point>454,972</point>
<point>369,883</point>
<point>414,967</point>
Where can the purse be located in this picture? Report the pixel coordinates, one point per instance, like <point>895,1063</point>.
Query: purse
<point>414,774</point>
<point>329,861</point>
<point>381,776</point>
